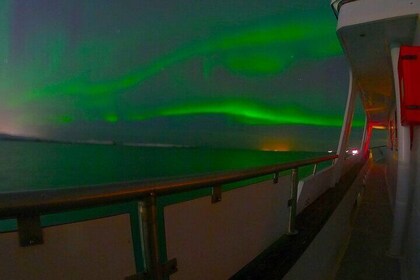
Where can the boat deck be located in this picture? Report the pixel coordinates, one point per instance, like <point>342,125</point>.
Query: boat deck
<point>366,257</point>
<point>276,261</point>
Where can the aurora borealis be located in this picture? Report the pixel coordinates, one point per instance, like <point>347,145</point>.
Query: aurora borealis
<point>215,73</point>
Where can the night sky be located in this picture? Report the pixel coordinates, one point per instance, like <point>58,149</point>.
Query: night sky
<point>246,74</point>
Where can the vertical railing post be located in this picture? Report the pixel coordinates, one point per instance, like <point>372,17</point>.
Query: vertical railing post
<point>293,203</point>
<point>346,129</point>
<point>315,169</point>
<point>148,211</point>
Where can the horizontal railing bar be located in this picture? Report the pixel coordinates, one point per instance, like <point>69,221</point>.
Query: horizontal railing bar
<point>377,147</point>
<point>15,204</point>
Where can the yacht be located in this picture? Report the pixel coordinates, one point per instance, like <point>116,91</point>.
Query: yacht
<point>358,218</point>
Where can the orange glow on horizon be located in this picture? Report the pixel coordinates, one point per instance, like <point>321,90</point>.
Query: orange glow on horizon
<point>276,145</point>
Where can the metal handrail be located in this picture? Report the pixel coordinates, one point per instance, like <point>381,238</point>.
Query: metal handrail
<point>28,206</point>
<point>17,204</point>
<point>377,147</point>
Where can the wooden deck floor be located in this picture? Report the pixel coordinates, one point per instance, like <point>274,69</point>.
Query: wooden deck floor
<point>366,257</point>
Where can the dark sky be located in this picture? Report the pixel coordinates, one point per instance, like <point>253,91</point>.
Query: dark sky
<point>247,74</point>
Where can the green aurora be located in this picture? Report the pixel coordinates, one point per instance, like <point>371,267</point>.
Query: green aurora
<point>281,38</point>
<point>249,113</point>
<point>285,37</point>
<point>57,75</point>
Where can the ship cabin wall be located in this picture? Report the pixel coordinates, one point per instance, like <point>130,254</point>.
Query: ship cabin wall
<point>411,249</point>
<point>409,254</point>
<point>403,182</point>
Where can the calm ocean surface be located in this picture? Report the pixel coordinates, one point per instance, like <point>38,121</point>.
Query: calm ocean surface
<point>36,165</point>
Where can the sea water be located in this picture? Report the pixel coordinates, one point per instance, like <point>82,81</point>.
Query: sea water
<point>41,165</point>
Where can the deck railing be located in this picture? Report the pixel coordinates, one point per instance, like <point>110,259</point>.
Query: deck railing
<point>27,206</point>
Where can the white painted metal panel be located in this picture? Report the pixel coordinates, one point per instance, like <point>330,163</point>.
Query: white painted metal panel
<point>350,162</point>
<point>363,11</point>
<point>214,241</point>
<point>403,190</point>
<point>320,260</point>
<point>313,186</point>
<point>95,249</point>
